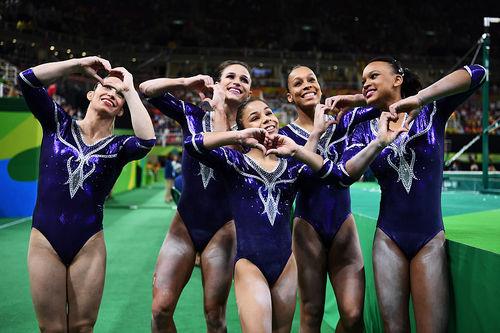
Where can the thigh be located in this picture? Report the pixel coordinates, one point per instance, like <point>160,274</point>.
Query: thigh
<point>311,258</point>
<point>346,269</point>
<point>217,264</point>
<point>253,298</point>
<point>86,283</point>
<point>47,276</point>
<point>284,296</point>
<point>392,282</point>
<point>175,262</point>
<point>429,286</point>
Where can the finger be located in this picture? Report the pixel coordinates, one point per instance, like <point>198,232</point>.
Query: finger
<point>105,64</point>
<point>261,148</point>
<point>330,101</point>
<point>273,151</point>
<point>334,103</point>
<point>98,78</point>
<point>202,96</point>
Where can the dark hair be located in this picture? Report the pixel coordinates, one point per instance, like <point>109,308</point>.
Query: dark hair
<point>291,70</point>
<point>242,107</point>
<point>411,82</point>
<point>223,65</point>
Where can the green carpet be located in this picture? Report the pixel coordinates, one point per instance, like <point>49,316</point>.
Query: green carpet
<point>135,224</point>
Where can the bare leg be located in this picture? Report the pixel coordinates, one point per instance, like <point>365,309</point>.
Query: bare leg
<point>48,284</point>
<point>429,286</point>
<point>311,258</point>
<point>86,284</point>
<point>392,282</point>
<point>284,296</point>
<point>253,298</point>
<point>347,275</point>
<point>168,189</point>
<point>173,269</point>
<point>217,264</point>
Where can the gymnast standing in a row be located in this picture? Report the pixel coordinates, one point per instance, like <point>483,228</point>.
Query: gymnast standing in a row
<point>79,164</point>
<point>262,184</point>
<point>203,222</point>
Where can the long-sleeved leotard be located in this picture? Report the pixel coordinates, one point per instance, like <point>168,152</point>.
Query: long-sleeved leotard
<point>326,207</point>
<point>261,201</point>
<point>74,178</point>
<point>201,205</point>
<point>410,171</point>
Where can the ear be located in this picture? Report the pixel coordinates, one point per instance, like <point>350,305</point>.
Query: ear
<point>90,95</point>
<point>398,81</point>
<point>289,97</point>
<point>122,111</point>
<point>250,93</point>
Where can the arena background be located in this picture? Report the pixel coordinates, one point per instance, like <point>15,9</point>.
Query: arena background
<point>173,39</point>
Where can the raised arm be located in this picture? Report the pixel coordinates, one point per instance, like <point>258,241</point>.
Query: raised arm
<point>450,91</point>
<point>141,122</point>
<point>157,87</point>
<point>49,72</point>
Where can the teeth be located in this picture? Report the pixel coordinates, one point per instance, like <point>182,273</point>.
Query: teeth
<point>234,90</point>
<point>311,94</point>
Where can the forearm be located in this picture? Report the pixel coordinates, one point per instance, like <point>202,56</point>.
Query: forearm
<point>312,142</point>
<point>49,72</point>
<point>157,87</point>
<point>358,164</point>
<point>457,82</point>
<point>310,158</point>
<point>141,121</point>
<point>212,140</point>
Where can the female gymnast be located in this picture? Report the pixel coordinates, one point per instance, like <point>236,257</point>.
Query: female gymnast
<point>325,239</point>
<point>79,164</point>
<point>197,226</point>
<point>409,247</point>
<point>262,186</point>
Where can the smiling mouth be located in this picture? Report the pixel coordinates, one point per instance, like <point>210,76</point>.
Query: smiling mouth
<point>309,95</point>
<point>235,91</point>
<point>270,128</point>
<point>369,93</point>
<point>108,102</point>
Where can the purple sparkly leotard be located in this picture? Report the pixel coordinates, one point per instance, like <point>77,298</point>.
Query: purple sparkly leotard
<point>201,205</point>
<point>75,178</point>
<point>326,207</point>
<point>261,201</point>
<point>410,171</point>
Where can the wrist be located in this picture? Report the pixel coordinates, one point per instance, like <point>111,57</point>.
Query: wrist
<point>360,100</point>
<point>380,144</point>
<point>420,98</point>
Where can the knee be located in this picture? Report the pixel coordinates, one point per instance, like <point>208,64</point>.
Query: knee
<point>312,313</point>
<point>215,318</point>
<point>52,328</point>
<point>82,326</point>
<point>162,308</point>
<point>352,320</point>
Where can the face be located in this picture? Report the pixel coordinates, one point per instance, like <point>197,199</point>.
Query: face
<point>303,87</point>
<point>108,97</point>
<point>258,114</point>
<point>235,80</point>
<point>380,83</point>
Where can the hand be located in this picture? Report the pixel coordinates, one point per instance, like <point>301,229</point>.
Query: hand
<point>92,65</point>
<point>411,105</point>
<point>385,135</point>
<point>281,146</point>
<point>343,103</point>
<point>254,138</point>
<point>201,83</point>
<point>218,97</point>
<point>321,123</point>
<point>125,76</point>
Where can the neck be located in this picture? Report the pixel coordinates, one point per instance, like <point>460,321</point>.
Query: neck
<point>257,154</point>
<point>231,109</point>
<point>305,118</point>
<point>96,126</point>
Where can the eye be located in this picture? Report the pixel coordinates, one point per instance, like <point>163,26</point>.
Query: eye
<point>244,79</point>
<point>230,76</point>
<point>312,80</point>
<point>297,83</point>
<point>373,76</point>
